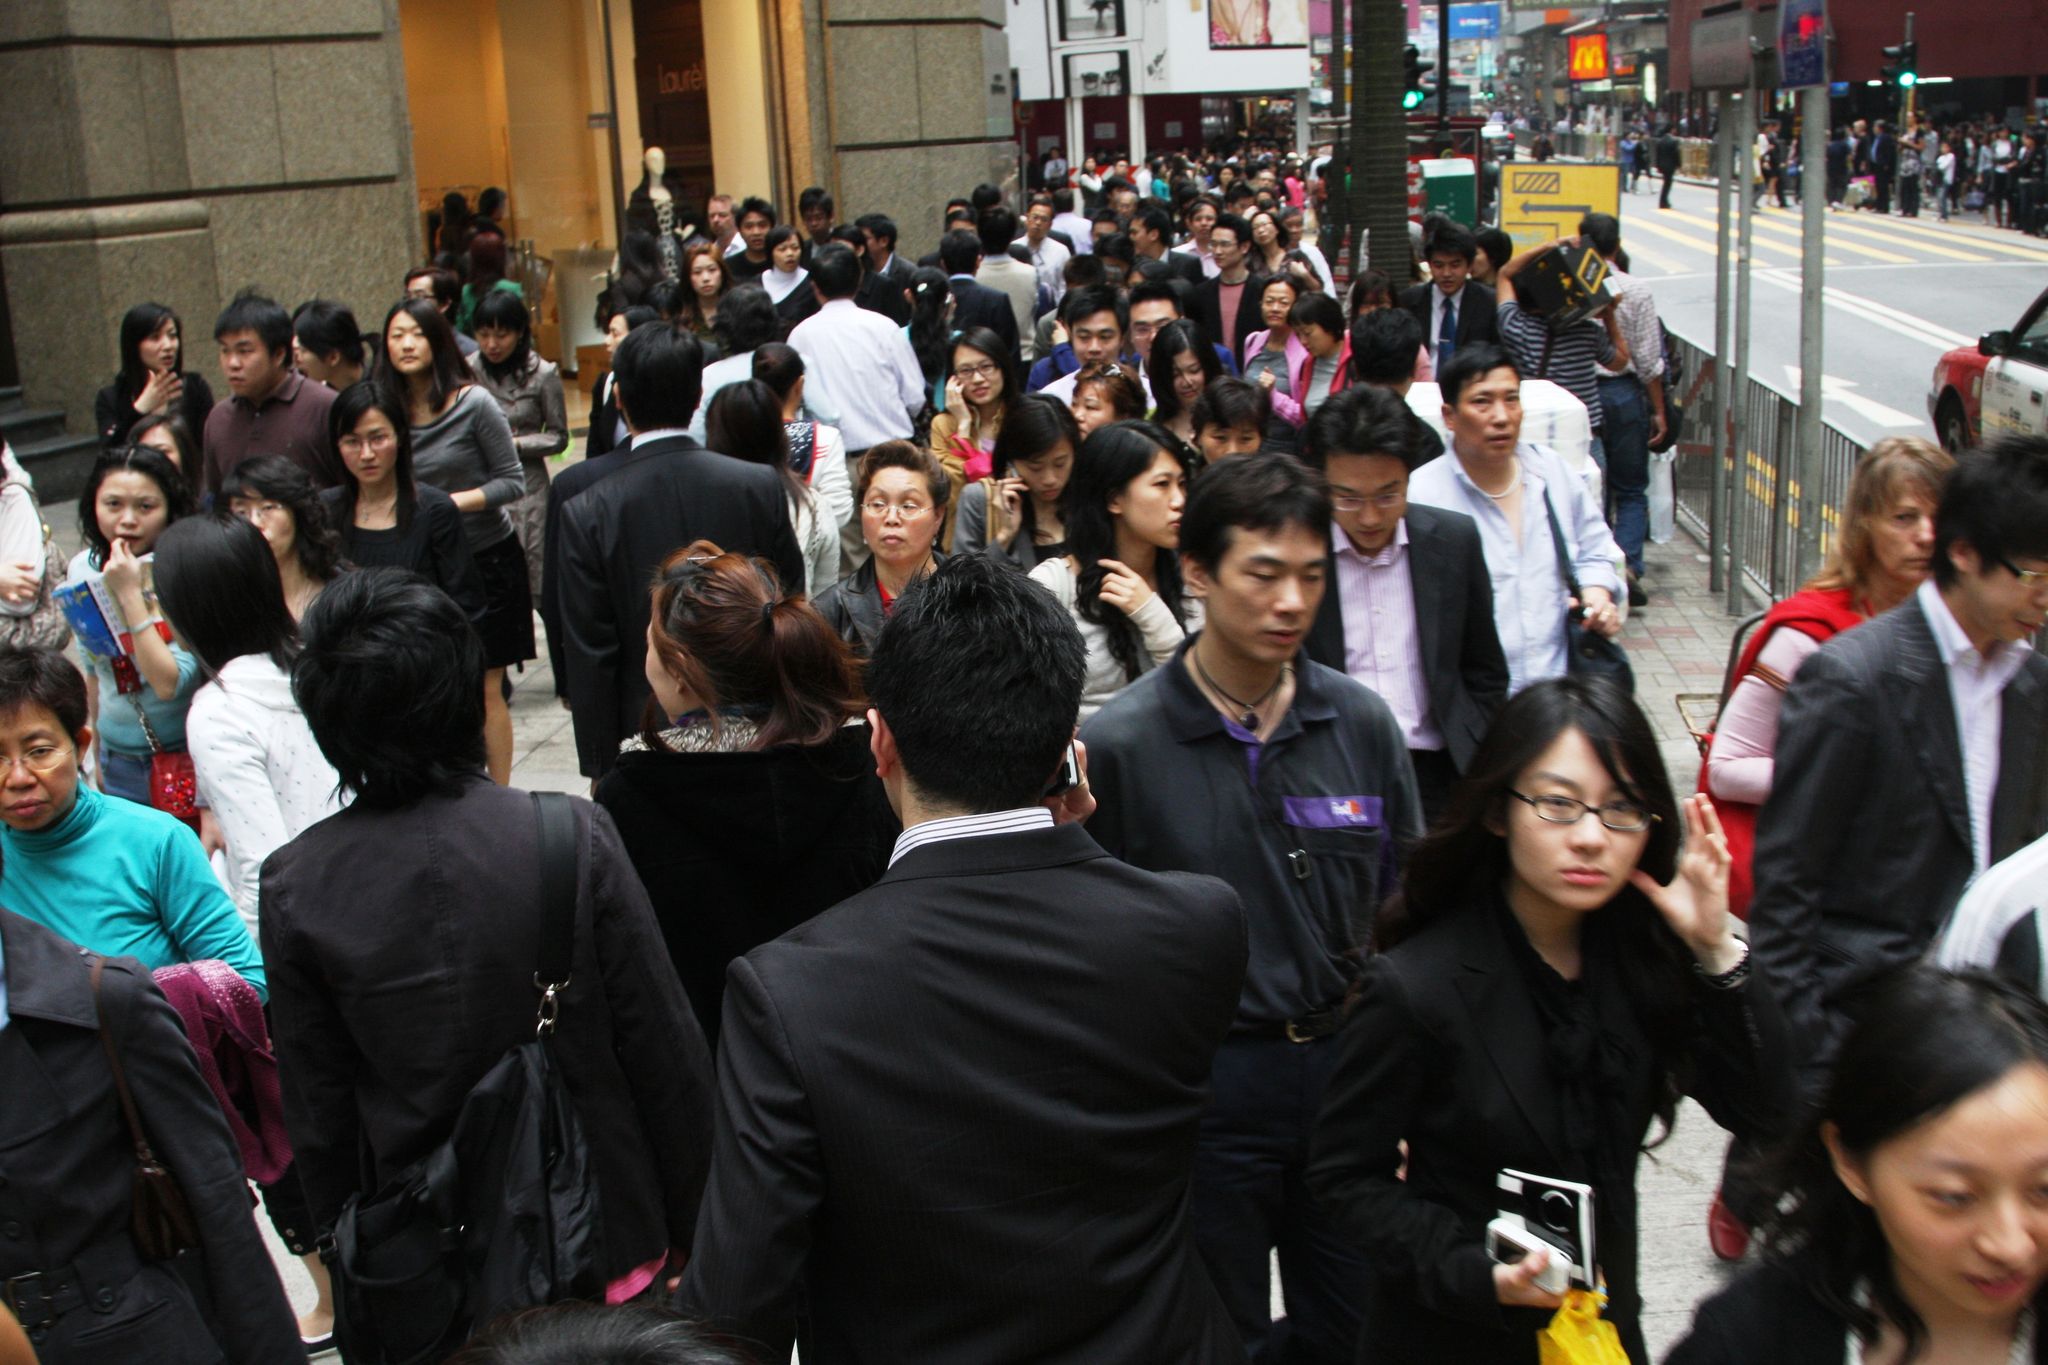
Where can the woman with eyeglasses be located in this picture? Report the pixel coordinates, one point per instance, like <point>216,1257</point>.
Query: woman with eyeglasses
<point>984,387</point>
<point>901,494</point>
<point>1560,967</point>
<point>1120,576</point>
<point>278,498</point>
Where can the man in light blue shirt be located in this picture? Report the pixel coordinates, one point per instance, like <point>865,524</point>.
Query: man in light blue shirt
<point>1514,491</point>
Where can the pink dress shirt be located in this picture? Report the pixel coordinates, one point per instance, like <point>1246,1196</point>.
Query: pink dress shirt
<point>1382,647</point>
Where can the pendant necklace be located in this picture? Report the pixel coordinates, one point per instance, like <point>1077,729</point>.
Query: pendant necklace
<point>1249,717</point>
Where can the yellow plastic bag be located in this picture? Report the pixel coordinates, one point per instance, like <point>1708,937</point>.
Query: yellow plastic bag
<point>1578,1335</point>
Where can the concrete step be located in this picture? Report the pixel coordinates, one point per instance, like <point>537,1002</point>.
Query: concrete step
<point>59,464</point>
<point>25,426</point>
<point>10,397</point>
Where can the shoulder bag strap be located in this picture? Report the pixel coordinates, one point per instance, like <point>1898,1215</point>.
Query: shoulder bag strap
<point>1564,558</point>
<point>556,819</point>
<point>143,1154</point>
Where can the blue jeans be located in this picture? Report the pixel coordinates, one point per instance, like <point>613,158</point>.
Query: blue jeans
<point>125,776</point>
<point>1250,1197</point>
<point>1625,431</point>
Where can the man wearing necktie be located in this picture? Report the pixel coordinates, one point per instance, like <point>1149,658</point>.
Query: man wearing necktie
<point>1454,309</point>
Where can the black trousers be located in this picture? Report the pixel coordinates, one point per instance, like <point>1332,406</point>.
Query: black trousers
<point>1435,777</point>
<point>1664,199</point>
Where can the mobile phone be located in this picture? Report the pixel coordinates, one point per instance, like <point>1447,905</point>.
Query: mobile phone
<point>1069,774</point>
<point>1508,1242</point>
<point>1558,1211</point>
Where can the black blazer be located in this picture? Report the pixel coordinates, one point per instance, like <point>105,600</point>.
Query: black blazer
<point>67,1167</point>
<point>565,486</point>
<point>1766,1317</point>
<point>881,291</point>
<point>957,1115</point>
<point>1182,265</point>
<point>1477,313</point>
<point>853,606</point>
<point>1864,846</point>
<point>1446,1053</point>
<point>604,421</point>
<point>663,495</point>
<point>1461,655</point>
<point>738,848</point>
<point>977,305</point>
<point>113,410</point>
<point>387,1016</point>
<point>1206,307</point>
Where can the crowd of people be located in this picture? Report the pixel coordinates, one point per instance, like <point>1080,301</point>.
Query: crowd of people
<point>1111,770</point>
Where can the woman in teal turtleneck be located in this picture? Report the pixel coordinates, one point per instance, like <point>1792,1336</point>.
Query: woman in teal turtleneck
<point>119,878</point>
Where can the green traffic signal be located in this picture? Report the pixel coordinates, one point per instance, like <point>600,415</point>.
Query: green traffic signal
<point>1907,79</point>
<point>1411,99</point>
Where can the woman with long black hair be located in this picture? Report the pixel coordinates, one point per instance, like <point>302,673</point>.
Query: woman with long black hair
<point>1120,576</point>
<point>1016,510</point>
<point>152,380</point>
<point>931,328</point>
<point>1182,364</point>
<point>1913,1224</point>
<point>1557,972</point>
<point>746,423</point>
<point>462,444</point>
<point>382,515</point>
<point>277,497</point>
<point>529,393</point>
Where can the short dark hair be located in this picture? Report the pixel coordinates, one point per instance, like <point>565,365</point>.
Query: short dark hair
<point>1155,291</point>
<point>879,225</point>
<point>250,311</point>
<point>959,252</point>
<point>1117,247</point>
<point>780,233</point>
<point>45,678</point>
<point>1996,502</point>
<point>1239,226</point>
<point>447,284</point>
<point>1498,246</point>
<point>665,297</point>
<point>1367,421</point>
<point>998,228</point>
<point>813,197</point>
<point>1602,232</point>
<point>326,328</point>
<point>1156,220</point>
<point>1259,492</point>
<point>1469,364</point>
<point>1232,402</point>
<point>1319,310</point>
<point>1384,346</point>
<point>975,628</point>
<point>744,319</point>
<point>985,196</point>
<point>1082,303</point>
<point>1451,239</point>
<point>219,587</point>
<point>502,310</point>
<point>835,270</point>
<point>754,204</point>
<point>659,371</point>
<point>351,405</point>
<point>390,680</point>
<point>144,460</point>
<point>1083,270</point>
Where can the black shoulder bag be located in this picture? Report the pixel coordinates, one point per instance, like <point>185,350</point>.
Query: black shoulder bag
<point>503,1215</point>
<point>1587,652</point>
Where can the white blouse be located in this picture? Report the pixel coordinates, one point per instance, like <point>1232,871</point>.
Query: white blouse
<point>1161,634</point>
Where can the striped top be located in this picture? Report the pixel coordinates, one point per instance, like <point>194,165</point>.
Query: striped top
<point>970,827</point>
<point>1564,358</point>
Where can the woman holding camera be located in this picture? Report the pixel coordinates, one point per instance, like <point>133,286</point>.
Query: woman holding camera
<point>1559,972</point>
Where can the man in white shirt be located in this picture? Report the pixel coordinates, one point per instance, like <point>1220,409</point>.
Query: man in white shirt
<point>1516,492</point>
<point>724,228</point>
<point>1001,271</point>
<point>1079,230</point>
<point>863,361</point>
<point>1048,258</point>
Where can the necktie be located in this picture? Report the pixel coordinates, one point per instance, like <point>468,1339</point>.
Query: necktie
<point>1447,335</point>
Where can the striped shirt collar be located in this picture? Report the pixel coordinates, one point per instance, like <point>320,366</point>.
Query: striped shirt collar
<point>970,827</point>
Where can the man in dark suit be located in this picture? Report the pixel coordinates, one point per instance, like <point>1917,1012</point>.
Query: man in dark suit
<point>1669,155</point>
<point>975,305</point>
<point>1407,605</point>
<point>665,493</point>
<point>1227,303</point>
<point>1882,804</point>
<point>1453,309</point>
<point>1151,232</point>
<point>1884,164</point>
<point>957,1112</point>
<point>888,275</point>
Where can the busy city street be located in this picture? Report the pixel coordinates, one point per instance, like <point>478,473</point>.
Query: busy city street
<point>1078,682</point>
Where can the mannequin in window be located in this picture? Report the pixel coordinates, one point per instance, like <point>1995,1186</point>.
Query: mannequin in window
<point>655,209</point>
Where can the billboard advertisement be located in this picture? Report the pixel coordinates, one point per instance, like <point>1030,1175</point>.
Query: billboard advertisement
<point>1235,24</point>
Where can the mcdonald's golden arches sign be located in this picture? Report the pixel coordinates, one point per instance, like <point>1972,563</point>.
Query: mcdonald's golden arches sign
<point>1589,57</point>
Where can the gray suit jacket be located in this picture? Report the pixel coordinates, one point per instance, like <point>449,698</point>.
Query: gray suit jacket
<point>1864,846</point>
<point>1461,655</point>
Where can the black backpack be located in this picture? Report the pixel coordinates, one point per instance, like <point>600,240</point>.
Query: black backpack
<point>503,1215</point>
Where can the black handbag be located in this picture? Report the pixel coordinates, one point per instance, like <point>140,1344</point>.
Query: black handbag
<point>1587,652</point>
<point>160,1219</point>
<point>502,1216</point>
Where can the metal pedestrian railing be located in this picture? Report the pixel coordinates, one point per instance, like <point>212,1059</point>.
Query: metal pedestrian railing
<point>1763,531</point>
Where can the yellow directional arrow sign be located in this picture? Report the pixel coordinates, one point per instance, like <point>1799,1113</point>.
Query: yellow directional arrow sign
<point>1543,201</point>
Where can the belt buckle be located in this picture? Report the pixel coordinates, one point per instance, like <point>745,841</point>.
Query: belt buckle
<point>1295,1035</point>
<point>24,1294</point>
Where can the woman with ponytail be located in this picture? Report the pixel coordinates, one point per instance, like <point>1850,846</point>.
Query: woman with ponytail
<point>748,802</point>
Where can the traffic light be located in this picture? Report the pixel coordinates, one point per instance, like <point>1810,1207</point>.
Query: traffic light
<point>1412,69</point>
<point>1902,65</point>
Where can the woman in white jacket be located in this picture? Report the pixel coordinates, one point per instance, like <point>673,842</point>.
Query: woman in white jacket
<point>257,765</point>
<point>1120,576</point>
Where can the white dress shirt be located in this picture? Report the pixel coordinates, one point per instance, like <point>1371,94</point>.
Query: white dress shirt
<point>1078,228</point>
<point>864,363</point>
<point>1049,259</point>
<point>970,827</point>
<point>1635,313</point>
<point>1528,591</point>
<point>1975,682</point>
<point>1382,643</point>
